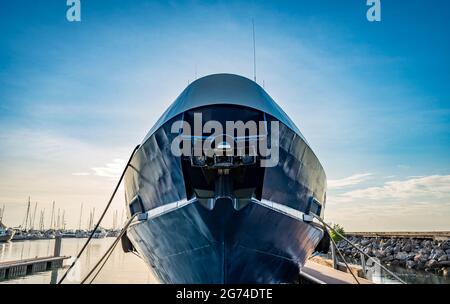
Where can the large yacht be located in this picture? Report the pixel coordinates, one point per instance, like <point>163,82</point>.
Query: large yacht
<point>225,207</point>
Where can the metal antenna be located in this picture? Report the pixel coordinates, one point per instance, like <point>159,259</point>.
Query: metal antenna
<point>254,51</point>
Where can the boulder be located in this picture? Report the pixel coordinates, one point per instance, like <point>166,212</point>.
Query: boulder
<point>374,244</point>
<point>445,245</point>
<point>388,258</point>
<point>410,264</point>
<point>394,263</point>
<point>365,242</point>
<point>436,257</point>
<point>436,254</point>
<point>443,258</point>
<point>432,264</point>
<point>420,258</point>
<point>407,248</point>
<point>444,263</point>
<point>379,254</point>
<point>388,250</point>
<point>425,251</point>
<point>411,256</point>
<point>401,256</point>
<point>420,265</point>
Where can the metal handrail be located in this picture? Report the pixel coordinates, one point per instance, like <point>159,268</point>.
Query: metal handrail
<point>345,262</point>
<point>359,250</point>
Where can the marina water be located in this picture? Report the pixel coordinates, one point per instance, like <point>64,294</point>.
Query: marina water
<point>120,268</point>
<point>128,268</point>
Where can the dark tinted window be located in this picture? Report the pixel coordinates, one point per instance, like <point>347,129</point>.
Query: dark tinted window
<point>224,113</point>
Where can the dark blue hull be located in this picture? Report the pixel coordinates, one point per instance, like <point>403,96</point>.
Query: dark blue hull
<point>253,245</point>
<point>245,222</point>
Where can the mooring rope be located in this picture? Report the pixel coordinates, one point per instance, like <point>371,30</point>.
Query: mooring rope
<point>101,217</point>
<point>359,250</point>
<point>345,262</point>
<point>108,252</point>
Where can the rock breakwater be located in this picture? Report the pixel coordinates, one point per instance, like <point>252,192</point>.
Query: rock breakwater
<point>412,253</point>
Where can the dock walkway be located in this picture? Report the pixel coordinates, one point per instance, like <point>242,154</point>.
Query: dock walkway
<point>13,269</point>
<point>321,274</point>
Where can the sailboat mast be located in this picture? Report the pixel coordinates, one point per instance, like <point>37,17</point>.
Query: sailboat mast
<point>91,215</point>
<point>93,219</point>
<point>63,221</point>
<point>53,216</point>
<point>58,219</point>
<point>34,217</point>
<point>41,220</point>
<point>81,215</point>
<point>2,212</point>
<point>28,211</point>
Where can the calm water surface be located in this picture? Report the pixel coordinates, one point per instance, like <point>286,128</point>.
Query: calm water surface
<point>120,268</point>
<point>128,268</point>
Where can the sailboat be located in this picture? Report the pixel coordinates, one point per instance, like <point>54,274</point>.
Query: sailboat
<point>6,234</point>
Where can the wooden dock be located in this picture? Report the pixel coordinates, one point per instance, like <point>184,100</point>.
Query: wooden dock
<point>320,274</point>
<point>14,269</point>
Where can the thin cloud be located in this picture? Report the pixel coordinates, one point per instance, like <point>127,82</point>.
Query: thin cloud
<point>352,180</point>
<point>111,170</point>
<point>81,173</point>
<point>428,188</point>
<point>415,204</point>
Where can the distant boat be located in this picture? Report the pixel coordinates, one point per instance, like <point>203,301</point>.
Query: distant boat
<point>19,235</point>
<point>6,234</point>
<point>100,233</point>
<point>113,233</point>
<point>50,234</point>
<point>81,234</point>
<point>69,234</point>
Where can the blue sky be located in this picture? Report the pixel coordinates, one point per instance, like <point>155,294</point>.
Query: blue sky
<point>372,99</point>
